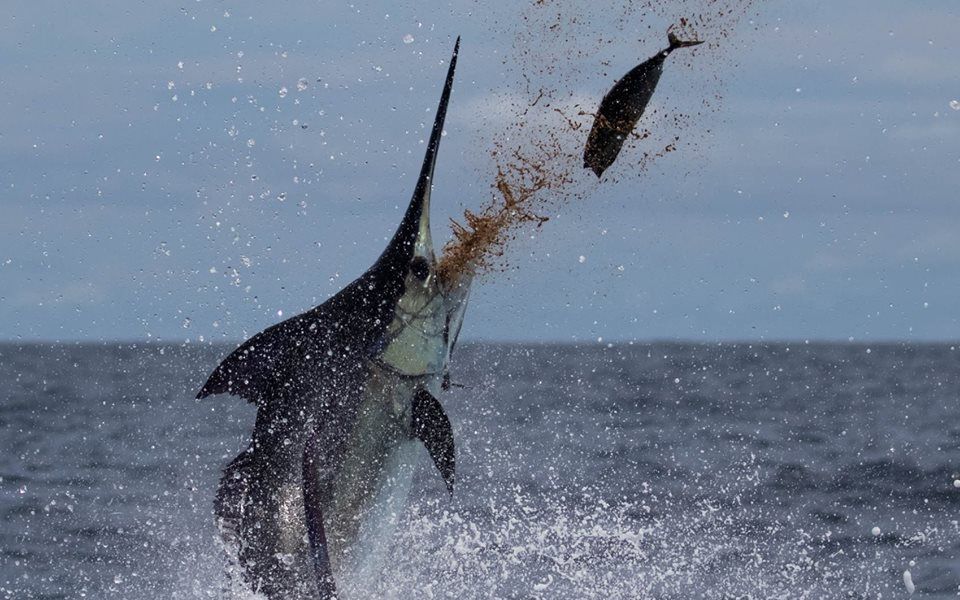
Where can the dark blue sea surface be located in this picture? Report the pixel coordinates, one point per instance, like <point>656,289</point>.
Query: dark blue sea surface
<point>626,471</point>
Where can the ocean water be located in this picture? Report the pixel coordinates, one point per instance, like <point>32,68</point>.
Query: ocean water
<point>627,471</point>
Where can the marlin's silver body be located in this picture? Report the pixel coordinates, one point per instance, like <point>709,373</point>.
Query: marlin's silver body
<point>347,397</point>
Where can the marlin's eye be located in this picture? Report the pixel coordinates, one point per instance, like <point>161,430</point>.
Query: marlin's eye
<point>420,268</point>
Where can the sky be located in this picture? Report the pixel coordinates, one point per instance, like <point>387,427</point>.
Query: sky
<point>199,170</point>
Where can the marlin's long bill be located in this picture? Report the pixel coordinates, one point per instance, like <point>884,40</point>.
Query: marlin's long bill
<point>417,218</point>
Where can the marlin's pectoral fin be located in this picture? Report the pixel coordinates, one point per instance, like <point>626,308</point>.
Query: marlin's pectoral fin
<point>432,426</point>
<point>313,512</point>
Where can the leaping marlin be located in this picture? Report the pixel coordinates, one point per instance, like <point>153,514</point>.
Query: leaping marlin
<point>343,393</point>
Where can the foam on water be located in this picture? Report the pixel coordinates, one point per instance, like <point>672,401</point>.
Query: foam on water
<point>517,544</point>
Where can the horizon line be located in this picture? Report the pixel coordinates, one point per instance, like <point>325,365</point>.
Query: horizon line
<point>157,341</point>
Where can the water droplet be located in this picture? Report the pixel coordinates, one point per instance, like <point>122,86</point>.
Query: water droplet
<point>908,582</point>
<point>283,92</point>
<point>186,323</point>
<point>955,104</point>
<point>582,259</point>
<point>302,84</point>
<point>408,39</point>
<point>875,531</point>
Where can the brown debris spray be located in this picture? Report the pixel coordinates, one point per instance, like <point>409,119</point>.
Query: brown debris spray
<point>537,158</point>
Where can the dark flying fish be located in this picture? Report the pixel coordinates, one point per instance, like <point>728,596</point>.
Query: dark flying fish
<point>346,394</point>
<point>623,106</point>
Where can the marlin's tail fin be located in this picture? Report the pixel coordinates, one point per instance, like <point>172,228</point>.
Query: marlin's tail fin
<point>228,505</point>
<point>676,42</point>
<point>253,503</point>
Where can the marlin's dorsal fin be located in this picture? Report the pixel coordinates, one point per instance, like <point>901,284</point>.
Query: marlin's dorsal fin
<point>432,426</point>
<point>253,370</point>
